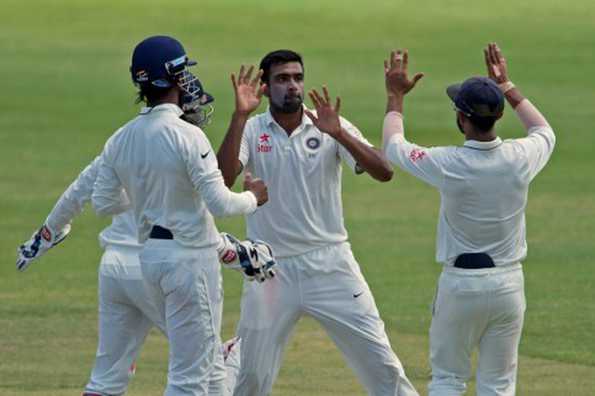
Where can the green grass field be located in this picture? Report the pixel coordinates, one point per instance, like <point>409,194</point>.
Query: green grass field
<point>66,88</point>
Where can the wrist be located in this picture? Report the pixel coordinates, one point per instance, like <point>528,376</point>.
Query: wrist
<point>506,86</point>
<point>395,95</point>
<point>241,114</point>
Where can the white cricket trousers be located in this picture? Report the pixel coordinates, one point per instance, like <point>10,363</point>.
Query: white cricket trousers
<point>477,308</point>
<point>326,284</point>
<point>125,318</point>
<point>185,286</point>
<point>126,315</point>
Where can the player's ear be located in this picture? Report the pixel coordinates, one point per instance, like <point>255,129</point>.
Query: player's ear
<point>265,90</point>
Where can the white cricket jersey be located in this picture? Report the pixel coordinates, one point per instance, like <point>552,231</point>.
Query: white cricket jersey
<point>483,188</point>
<point>122,231</point>
<point>170,174</point>
<point>303,175</point>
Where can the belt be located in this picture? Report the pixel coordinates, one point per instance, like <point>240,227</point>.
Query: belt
<point>474,261</point>
<point>158,232</point>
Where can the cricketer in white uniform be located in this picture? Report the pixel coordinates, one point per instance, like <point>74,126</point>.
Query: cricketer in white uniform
<point>169,173</point>
<point>480,300</point>
<point>299,158</point>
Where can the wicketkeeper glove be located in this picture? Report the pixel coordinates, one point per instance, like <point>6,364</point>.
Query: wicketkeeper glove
<point>41,241</point>
<point>253,258</point>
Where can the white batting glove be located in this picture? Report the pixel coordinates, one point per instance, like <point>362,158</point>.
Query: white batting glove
<point>253,258</point>
<point>41,241</point>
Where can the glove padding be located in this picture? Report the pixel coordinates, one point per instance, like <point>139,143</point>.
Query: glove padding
<point>253,258</point>
<point>41,241</point>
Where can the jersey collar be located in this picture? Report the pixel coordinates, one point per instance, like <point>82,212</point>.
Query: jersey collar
<point>306,121</point>
<point>162,108</point>
<point>477,145</point>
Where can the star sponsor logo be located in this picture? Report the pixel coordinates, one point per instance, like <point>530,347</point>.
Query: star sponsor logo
<point>264,145</point>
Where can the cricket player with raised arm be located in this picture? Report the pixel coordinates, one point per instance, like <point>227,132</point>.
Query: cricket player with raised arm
<point>298,154</point>
<point>168,172</point>
<point>481,241</point>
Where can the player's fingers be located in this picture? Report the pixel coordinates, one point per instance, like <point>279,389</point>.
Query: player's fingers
<point>314,99</point>
<point>248,74</point>
<point>399,60</point>
<point>256,79</point>
<point>405,59</point>
<point>493,58</point>
<point>499,55</point>
<point>241,74</point>
<point>487,59</point>
<point>314,94</point>
<point>338,105</point>
<point>320,98</point>
<point>386,69</point>
<point>392,59</point>
<point>327,98</point>
<point>233,81</point>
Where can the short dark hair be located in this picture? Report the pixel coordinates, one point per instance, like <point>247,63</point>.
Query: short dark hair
<point>483,124</point>
<point>276,58</point>
<point>149,93</point>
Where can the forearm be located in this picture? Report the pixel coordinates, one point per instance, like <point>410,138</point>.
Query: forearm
<point>392,126</point>
<point>394,102</point>
<point>222,202</point>
<point>228,153</point>
<point>368,158</point>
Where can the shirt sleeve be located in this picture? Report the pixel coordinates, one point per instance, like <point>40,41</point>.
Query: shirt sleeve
<point>422,162</point>
<point>344,154</point>
<point>244,154</point>
<point>538,147</point>
<point>108,196</point>
<point>208,180</point>
<point>75,197</point>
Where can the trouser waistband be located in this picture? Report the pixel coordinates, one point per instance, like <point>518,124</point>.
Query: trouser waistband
<point>158,232</point>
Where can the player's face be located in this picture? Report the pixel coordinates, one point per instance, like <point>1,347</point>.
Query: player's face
<point>286,87</point>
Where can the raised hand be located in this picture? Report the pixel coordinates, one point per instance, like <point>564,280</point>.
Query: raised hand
<point>327,115</point>
<point>496,63</point>
<point>395,74</point>
<point>248,91</point>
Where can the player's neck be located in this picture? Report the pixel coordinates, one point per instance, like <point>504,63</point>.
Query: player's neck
<point>288,121</point>
<point>481,137</point>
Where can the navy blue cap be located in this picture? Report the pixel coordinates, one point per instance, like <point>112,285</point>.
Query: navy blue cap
<point>477,97</point>
<point>157,59</point>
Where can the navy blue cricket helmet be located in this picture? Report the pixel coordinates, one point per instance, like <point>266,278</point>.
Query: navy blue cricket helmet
<point>162,62</point>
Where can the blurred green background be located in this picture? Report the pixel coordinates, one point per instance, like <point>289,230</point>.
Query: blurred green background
<point>66,88</point>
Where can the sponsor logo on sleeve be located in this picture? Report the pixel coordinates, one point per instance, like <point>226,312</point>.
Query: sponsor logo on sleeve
<point>416,155</point>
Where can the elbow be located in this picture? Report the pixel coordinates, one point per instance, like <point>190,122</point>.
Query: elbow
<point>386,175</point>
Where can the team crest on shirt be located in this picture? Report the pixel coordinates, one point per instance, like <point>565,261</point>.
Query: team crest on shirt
<point>264,144</point>
<point>313,143</point>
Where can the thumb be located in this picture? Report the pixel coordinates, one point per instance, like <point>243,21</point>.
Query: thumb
<point>417,77</point>
<point>248,179</point>
<point>261,90</point>
<point>311,115</point>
